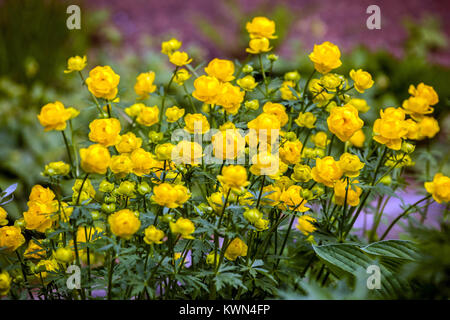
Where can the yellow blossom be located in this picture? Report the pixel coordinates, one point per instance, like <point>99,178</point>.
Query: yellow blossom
<point>167,47</point>
<point>221,69</point>
<point>152,235</point>
<point>261,27</point>
<point>144,84</point>
<point>358,138</point>
<point>103,82</point>
<point>247,83</point>
<point>206,89</point>
<point>258,45</point>
<point>174,113</point>
<point>344,122</point>
<point>128,143</point>
<point>230,98</point>
<point>234,177</point>
<point>390,128</point>
<point>53,116</point>
<point>426,92</point>
<point>196,123</point>
<point>291,199</point>
<point>142,161</point>
<point>105,131</point>
<point>305,224</point>
<point>439,188</point>
<point>148,116</point>
<point>326,57</point>
<point>134,110</point>
<point>291,151</point>
<point>179,58</point>
<point>95,159</point>
<point>320,139</point>
<point>362,80</point>
<point>236,248</point>
<point>121,165</point>
<point>326,171</point>
<point>306,119</point>
<point>76,63</point>
<point>124,223</point>
<point>184,227</point>
<point>341,189</point>
<point>170,195</point>
<point>11,238</point>
<point>350,164</point>
<point>181,76</point>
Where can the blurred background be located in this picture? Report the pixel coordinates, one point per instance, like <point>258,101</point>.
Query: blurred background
<point>411,47</point>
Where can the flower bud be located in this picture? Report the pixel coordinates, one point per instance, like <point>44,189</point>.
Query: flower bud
<point>292,76</point>
<point>106,186</point>
<point>291,136</point>
<point>155,137</point>
<point>387,180</point>
<point>126,188</point>
<point>168,218</point>
<point>247,68</point>
<point>64,255</point>
<point>110,199</point>
<point>252,104</point>
<point>318,190</point>
<point>95,215</point>
<point>108,207</point>
<point>272,57</point>
<point>306,194</point>
<point>408,147</point>
<point>143,188</point>
<point>253,215</point>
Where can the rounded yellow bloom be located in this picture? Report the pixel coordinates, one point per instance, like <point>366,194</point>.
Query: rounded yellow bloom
<point>305,224</point>
<point>148,116</point>
<point>124,223</point>
<point>344,122</point>
<point>391,128</point>
<point>5,283</point>
<point>53,116</point>
<point>252,104</point>
<point>128,143</point>
<point>302,173</point>
<point>358,138</point>
<point>103,82</point>
<point>265,125</point>
<point>153,235</point>
<point>320,139</point>
<point>95,159</point>
<point>264,163</point>
<point>164,151</point>
<point>318,92</point>
<point>170,195</point>
<point>332,81</point>
<point>417,107</point>
<point>326,171</point>
<point>291,152</point>
<point>40,216</point>
<point>261,27</point>
<point>439,188</point>
<point>258,45</point>
<point>247,83</point>
<point>3,216</point>
<point>326,57</point>
<point>426,92</point>
<point>40,194</point>
<point>187,152</point>
<point>142,162</point>
<point>105,131</point>
<point>144,84</point>
<point>230,98</point>
<point>167,47</point>
<point>291,199</point>
<point>76,63</point>
<point>252,215</point>
<point>428,127</point>
<point>87,193</point>
<point>221,69</point>
<point>11,238</point>
<point>179,58</point>
<point>278,110</point>
<point>174,113</point>
<point>236,248</point>
<point>292,76</point>
<point>196,123</point>
<point>207,89</point>
<point>286,91</point>
<point>121,165</point>
<point>271,195</point>
<point>184,227</point>
<point>216,201</point>
<point>306,119</point>
<point>234,177</point>
<point>134,110</point>
<point>64,255</point>
<point>58,168</point>
<point>181,76</point>
<point>350,164</point>
<point>48,265</point>
<point>228,144</point>
<point>35,250</point>
<point>353,193</point>
<point>362,80</point>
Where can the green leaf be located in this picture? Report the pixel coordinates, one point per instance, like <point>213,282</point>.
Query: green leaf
<point>400,249</point>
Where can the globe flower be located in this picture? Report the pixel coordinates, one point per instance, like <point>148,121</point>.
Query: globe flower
<point>196,123</point>
<point>332,81</point>
<point>152,235</point>
<point>174,113</point>
<point>292,76</point>
<point>64,255</point>
<point>258,45</point>
<point>95,159</point>
<point>350,164</point>
<point>271,195</point>
<point>103,82</point>
<point>128,142</point>
<point>187,152</point>
<point>230,98</point>
<point>11,238</point>
<point>216,201</point>
<point>236,248</point>
<point>228,144</point>
<point>291,199</point>
<point>164,151</point>
<point>264,163</point>
<point>76,63</point>
<point>142,162</point>
<point>305,224</point>
<point>40,194</point>
<point>327,171</point>
<point>134,110</point>
<point>358,138</point>
<point>391,128</point>
<point>206,89</point>
<point>124,223</point>
<point>340,190</point>
<point>326,57</point>
<point>320,139</point>
<point>302,173</point>
<point>58,168</point>
<point>261,27</point>
<point>105,131</point>
<point>45,266</point>
<point>221,69</point>
<point>318,92</point>
<point>53,116</point>
<point>439,188</point>
<point>121,165</point>
<point>170,195</point>
<point>278,110</point>
<point>144,84</point>
<point>291,152</point>
<point>3,216</point>
<point>184,227</point>
<point>40,216</point>
<point>265,125</point>
<point>88,234</point>
<point>427,127</point>
<point>247,83</point>
<point>148,116</point>
<point>167,47</point>
<point>5,283</point>
<point>181,76</point>
<point>253,215</point>
<point>252,104</point>
<point>424,91</point>
<point>87,193</point>
<point>359,104</point>
<point>287,89</point>
<point>35,250</point>
<point>234,177</point>
<point>306,119</point>
<point>344,122</point>
<point>362,80</point>
<point>417,107</point>
<point>179,58</point>
<point>261,224</point>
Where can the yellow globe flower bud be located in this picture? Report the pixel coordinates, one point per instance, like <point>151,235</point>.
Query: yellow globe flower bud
<point>247,83</point>
<point>174,113</point>
<point>252,104</point>
<point>64,255</point>
<point>302,173</point>
<point>167,47</point>
<point>152,235</point>
<point>143,188</point>
<point>258,45</point>
<point>247,68</point>
<point>155,137</point>
<point>106,186</point>
<point>184,227</point>
<point>292,76</point>
<point>58,168</point>
<point>164,151</point>
<point>181,76</point>
<point>76,63</point>
<point>252,215</point>
<point>126,188</point>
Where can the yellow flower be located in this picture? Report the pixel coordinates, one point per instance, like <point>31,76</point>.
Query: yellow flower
<point>236,248</point>
<point>148,116</point>
<point>439,188</point>
<point>5,283</point>
<point>265,125</point>
<point>344,122</point>
<point>35,250</point>
<point>196,123</point>
<point>134,110</point>
<point>187,152</point>
<point>216,201</point>
<point>291,199</point>
<point>3,216</point>
<point>417,107</point>
<point>206,89</point>
<point>230,98</point>
<point>184,227</point>
<point>228,144</point>
<point>264,163</point>
<point>44,266</point>
<point>11,238</point>
<point>179,58</point>
<point>358,138</point>
<point>247,83</point>
<point>261,27</point>
<point>286,91</point>
<point>391,128</point>
<point>261,224</point>
<point>326,171</point>
<point>221,69</point>
<point>181,76</point>
<point>124,223</point>
<point>252,215</point>
<point>320,139</point>
<point>302,173</point>
<point>353,193</point>
<point>428,127</point>
<point>291,151</point>
<point>350,164</point>
<point>170,195</point>
<point>306,119</point>
<point>88,234</point>
<point>40,194</point>
<point>76,63</point>
<point>426,92</point>
<point>174,113</point>
<point>305,224</point>
<point>103,82</point>
<point>128,143</point>
<point>121,165</point>
<point>127,188</point>
<point>359,104</point>
<point>53,116</point>
<point>87,193</point>
<point>258,45</point>
<point>234,177</point>
<point>142,162</point>
<point>278,110</point>
<point>325,57</point>
<point>144,84</point>
<point>252,104</point>
<point>153,235</point>
<point>292,76</point>
<point>318,92</point>
<point>271,195</point>
<point>167,47</point>
<point>164,151</point>
<point>362,80</point>
<point>95,159</point>
<point>64,255</point>
<point>58,168</point>
<point>39,215</point>
<point>105,131</point>
<point>332,81</point>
